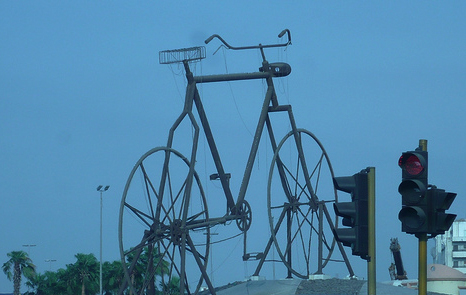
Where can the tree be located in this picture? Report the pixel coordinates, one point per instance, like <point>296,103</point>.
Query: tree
<point>85,272</point>
<point>140,271</point>
<point>112,277</point>
<point>82,276</point>
<point>22,265</point>
<point>38,282</point>
<point>172,287</point>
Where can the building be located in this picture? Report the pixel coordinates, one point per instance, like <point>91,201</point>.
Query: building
<point>450,248</point>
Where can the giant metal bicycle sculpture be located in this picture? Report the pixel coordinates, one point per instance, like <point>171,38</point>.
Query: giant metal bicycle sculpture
<point>164,222</point>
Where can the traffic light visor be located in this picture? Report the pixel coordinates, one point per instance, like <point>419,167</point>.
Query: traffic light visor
<point>411,163</point>
<point>345,235</point>
<point>345,209</point>
<point>444,222</point>
<point>444,200</point>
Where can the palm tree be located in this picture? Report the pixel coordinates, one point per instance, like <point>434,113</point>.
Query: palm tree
<point>38,283</point>
<point>112,277</point>
<point>22,265</point>
<point>60,282</point>
<point>172,287</point>
<point>138,275</point>
<point>86,272</point>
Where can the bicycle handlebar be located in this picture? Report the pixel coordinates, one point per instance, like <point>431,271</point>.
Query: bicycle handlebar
<point>260,46</point>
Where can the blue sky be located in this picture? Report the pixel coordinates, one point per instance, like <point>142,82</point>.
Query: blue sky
<point>82,97</point>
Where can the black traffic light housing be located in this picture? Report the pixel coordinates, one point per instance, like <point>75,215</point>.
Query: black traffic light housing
<point>423,206</point>
<point>413,189</point>
<point>440,201</point>
<point>354,213</point>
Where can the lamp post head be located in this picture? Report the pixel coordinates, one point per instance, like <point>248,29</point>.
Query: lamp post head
<point>101,188</point>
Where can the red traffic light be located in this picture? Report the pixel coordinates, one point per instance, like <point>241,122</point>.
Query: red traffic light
<point>411,163</point>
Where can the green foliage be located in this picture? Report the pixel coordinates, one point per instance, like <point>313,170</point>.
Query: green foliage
<point>138,276</point>
<point>112,277</point>
<point>22,265</point>
<point>82,277</point>
<point>172,287</point>
<point>85,273</point>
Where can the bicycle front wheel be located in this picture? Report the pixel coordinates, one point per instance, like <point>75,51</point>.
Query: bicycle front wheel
<point>164,240</point>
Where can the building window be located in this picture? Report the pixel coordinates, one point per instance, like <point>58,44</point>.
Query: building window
<point>455,263</point>
<point>459,247</point>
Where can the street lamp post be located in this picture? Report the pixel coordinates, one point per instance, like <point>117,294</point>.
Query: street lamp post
<point>29,248</point>
<point>101,189</point>
<point>50,263</point>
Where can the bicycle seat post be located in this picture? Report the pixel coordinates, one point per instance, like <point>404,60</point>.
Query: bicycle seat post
<point>189,74</point>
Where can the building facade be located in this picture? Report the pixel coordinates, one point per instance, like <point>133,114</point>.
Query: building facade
<point>450,248</point>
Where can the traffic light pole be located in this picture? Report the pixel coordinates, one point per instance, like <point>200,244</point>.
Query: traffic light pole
<point>422,271</point>
<point>371,266</point>
<point>422,267</point>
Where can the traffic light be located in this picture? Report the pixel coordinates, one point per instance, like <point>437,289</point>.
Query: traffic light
<point>413,188</point>
<point>440,201</point>
<point>354,213</point>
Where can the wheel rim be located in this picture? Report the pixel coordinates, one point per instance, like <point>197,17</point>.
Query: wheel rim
<point>294,214</point>
<point>163,240</point>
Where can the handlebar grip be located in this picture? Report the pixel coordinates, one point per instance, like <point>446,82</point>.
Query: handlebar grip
<point>209,39</point>
<point>285,31</point>
<point>282,33</point>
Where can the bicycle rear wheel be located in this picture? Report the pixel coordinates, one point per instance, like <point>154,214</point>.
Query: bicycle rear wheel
<point>301,180</point>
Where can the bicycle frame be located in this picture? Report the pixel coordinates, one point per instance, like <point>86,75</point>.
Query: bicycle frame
<point>270,104</point>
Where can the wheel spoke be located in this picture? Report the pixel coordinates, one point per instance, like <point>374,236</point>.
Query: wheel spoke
<point>152,268</point>
<point>148,184</point>
<point>284,180</point>
<point>297,231</point>
<point>297,184</point>
<point>140,214</point>
<point>194,217</point>
<point>171,209</point>
<point>171,257</point>
<point>317,168</point>
<point>305,216</point>
<point>138,247</point>
<point>176,215</point>
<point>149,272</point>
<point>306,253</point>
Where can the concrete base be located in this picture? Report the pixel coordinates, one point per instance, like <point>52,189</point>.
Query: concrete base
<point>256,278</point>
<point>319,277</point>
<point>262,287</point>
